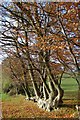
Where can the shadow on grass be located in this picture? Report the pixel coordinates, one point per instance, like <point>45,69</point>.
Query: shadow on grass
<point>73,106</point>
<point>68,104</point>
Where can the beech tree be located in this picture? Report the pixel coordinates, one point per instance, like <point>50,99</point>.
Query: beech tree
<point>43,38</point>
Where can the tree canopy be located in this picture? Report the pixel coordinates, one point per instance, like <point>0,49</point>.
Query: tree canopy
<point>42,39</point>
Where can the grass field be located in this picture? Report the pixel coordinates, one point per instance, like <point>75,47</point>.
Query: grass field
<point>69,84</point>
<point>18,107</point>
<point>70,88</point>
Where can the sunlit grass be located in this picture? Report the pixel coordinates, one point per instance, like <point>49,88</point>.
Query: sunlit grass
<point>69,84</point>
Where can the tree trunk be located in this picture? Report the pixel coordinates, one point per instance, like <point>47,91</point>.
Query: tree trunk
<point>45,95</point>
<point>26,93</point>
<point>32,79</point>
<point>57,92</point>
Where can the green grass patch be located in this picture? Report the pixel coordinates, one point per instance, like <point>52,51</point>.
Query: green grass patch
<point>70,87</point>
<point>5,97</point>
<point>15,98</point>
<point>69,84</point>
<point>70,95</point>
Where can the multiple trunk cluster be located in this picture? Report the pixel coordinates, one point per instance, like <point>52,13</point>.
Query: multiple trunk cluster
<point>49,93</point>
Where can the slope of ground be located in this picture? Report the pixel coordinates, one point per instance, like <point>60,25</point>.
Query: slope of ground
<point>18,107</point>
